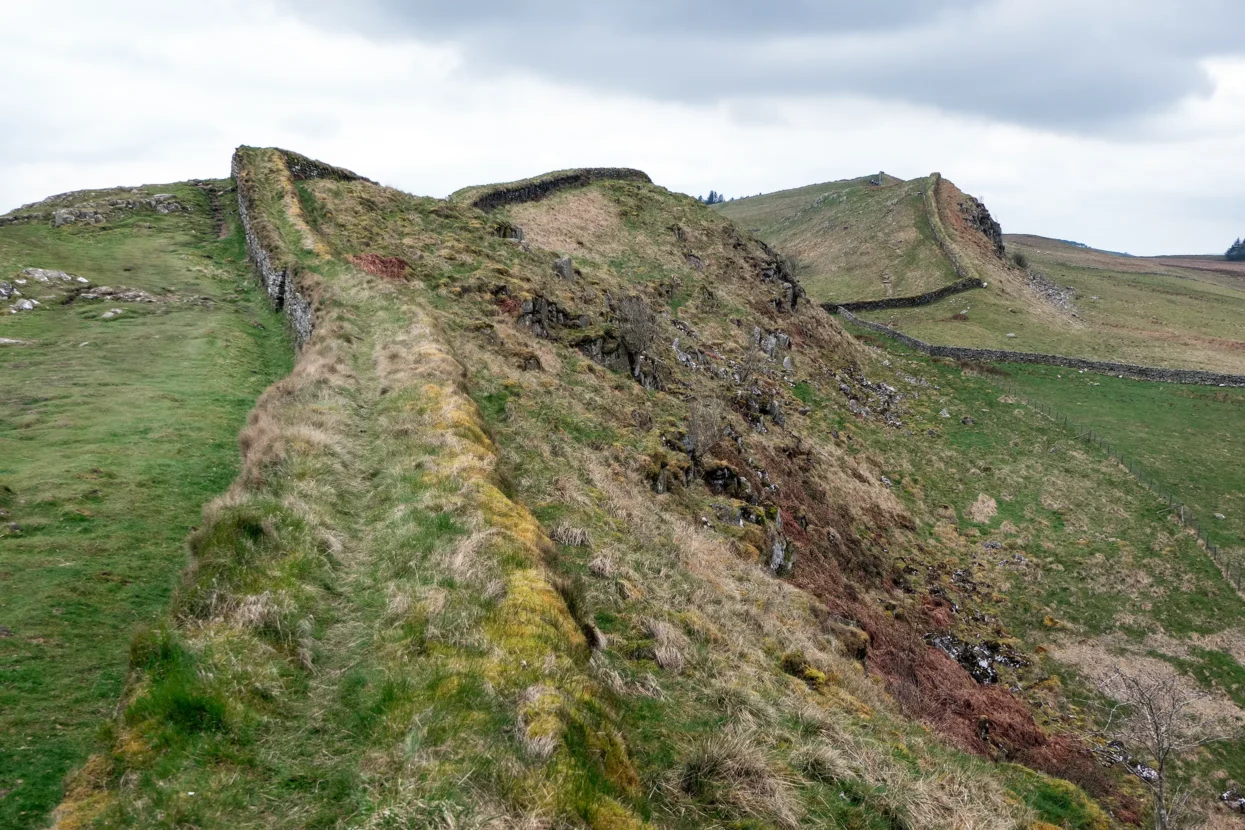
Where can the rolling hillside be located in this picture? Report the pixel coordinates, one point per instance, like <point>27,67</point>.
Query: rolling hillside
<point>852,240</point>
<point>576,510</point>
<point>1180,312</point>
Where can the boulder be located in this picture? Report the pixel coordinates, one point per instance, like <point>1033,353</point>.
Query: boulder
<point>564,267</point>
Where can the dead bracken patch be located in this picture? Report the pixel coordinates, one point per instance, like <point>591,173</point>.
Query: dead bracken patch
<point>389,267</point>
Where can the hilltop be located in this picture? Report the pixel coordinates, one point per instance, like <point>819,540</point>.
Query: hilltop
<point>1064,299</point>
<point>575,509</point>
<point>856,239</point>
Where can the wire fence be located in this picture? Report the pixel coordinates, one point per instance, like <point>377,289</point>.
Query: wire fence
<point>1229,566</point>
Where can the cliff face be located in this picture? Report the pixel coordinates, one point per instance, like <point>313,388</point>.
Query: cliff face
<point>978,217</point>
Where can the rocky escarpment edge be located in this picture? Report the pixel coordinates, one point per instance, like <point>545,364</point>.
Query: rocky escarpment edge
<point>1157,373</point>
<point>302,168</point>
<point>276,276</point>
<point>491,197</point>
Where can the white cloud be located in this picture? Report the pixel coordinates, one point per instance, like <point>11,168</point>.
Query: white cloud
<point>108,94</point>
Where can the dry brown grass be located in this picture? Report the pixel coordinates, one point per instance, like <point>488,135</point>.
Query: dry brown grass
<point>572,222</point>
<point>670,646</point>
<point>729,769</point>
<point>983,509</point>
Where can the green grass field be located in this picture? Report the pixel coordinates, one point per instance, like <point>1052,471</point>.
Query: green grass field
<point>114,434</point>
<point>1188,440</point>
<point>1105,575</point>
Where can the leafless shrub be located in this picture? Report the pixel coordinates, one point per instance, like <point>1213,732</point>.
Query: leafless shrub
<point>1159,720</point>
<point>705,427</point>
<point>751,365</point>
<point>637,324</point>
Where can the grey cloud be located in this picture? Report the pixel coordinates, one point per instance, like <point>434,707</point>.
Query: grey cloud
<point>1058,64</point>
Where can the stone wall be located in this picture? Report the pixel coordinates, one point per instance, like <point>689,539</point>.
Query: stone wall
<point>1157,373</point>
<point>303,168</point>
<point>909,301</point>
<point>277,276</point>
<point>532,190</point>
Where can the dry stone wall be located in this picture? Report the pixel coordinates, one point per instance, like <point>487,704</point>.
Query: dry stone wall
<point>909,301</point>
<point>1157,373</point>
<point>303,168</point>
<point>277,277</point>
<point>532,190</point>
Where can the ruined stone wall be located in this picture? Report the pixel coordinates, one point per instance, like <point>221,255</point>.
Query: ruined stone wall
<point>277,276</point>
<point>303,168</point>
<point>532,190</point>
<point>1156,373</point>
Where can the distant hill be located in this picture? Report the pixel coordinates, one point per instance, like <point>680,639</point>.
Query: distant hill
<point>856,240</point>
<point>852,239</point>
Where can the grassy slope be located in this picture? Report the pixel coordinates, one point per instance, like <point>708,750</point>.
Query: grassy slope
<point>114,433</point>
<point>853,241</point>
<point>570,451</point>
<point>1146,312</point>
<point>1108,578</point>
<point>376,631</point>
<point>379,631</point>
<point>1187,439</point>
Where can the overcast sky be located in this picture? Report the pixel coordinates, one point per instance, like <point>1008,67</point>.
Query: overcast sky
<point>1120,123</point>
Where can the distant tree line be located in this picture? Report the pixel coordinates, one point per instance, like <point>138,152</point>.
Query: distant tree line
<point>1237,252</point>
<point>714,198</point>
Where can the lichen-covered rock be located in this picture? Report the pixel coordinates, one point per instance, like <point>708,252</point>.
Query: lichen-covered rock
<point>564,267</point>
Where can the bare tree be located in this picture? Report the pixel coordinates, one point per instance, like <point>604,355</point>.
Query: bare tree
<point>1159,721</point>
<point>751,364</point>
<point>705,427</point>
<point>637,324</point>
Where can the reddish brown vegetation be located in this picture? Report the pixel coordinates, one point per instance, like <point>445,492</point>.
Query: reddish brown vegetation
<point>389,267</point>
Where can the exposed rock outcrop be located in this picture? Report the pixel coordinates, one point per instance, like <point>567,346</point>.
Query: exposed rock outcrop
<point>978,216</point>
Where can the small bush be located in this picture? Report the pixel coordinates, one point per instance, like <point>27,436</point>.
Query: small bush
<point>705,427</point>
<point>1021,260</point>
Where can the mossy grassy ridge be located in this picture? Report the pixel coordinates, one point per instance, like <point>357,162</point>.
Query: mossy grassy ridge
<point>698,637</point>
<point>367,633</point>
